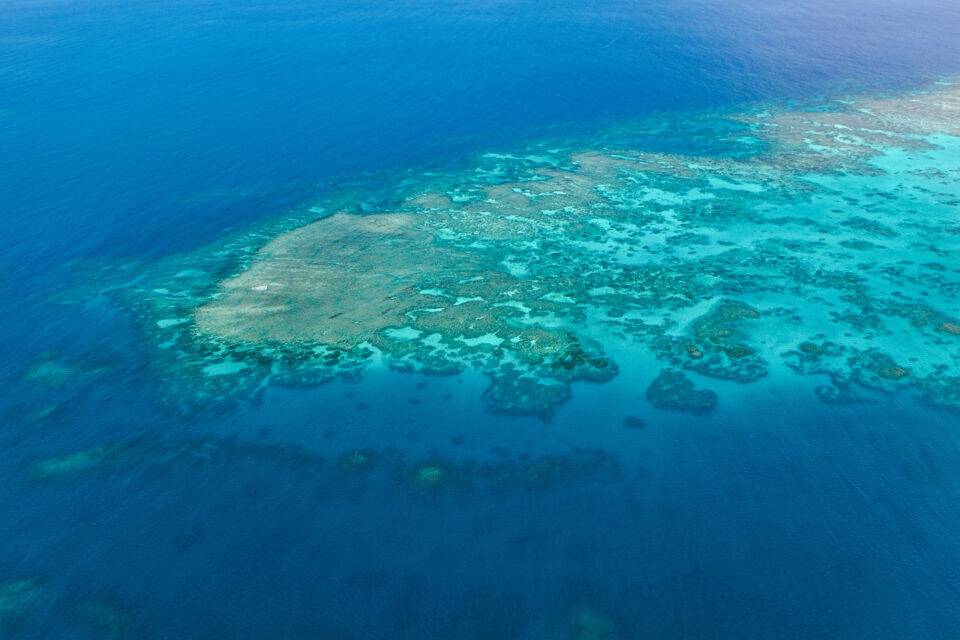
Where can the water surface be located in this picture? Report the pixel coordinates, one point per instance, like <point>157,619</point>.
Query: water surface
<point>167,475</point>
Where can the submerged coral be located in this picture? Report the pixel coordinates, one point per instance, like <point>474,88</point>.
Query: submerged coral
<point>16,597</point>
<point>553,266</point>
<point>55,372</point>
<point>673,390</point>
<point>358,468</point>
<point>113,622</point>
<point>92,459</point>
<point>428,475</point>
<point>587,624</point>
<point>355,460</point>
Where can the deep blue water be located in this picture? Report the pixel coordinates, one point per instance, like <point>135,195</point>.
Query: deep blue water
<point>135,130</point>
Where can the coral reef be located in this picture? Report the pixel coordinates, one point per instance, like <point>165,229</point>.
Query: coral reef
<point>792,226</point>
<point>369,467</point>
<point>673,390</point>
<point>51,370</point>
<point>93,459</point>
<point>587,624</point>
<point>16,597</point>
<point>428,475</point>
<point>356,460</point>
<point>113,622</point>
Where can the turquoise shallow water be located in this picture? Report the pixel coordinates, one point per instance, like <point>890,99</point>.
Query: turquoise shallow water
<point>484,321</point>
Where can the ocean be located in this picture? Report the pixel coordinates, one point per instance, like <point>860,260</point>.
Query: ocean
<point>532,320</point>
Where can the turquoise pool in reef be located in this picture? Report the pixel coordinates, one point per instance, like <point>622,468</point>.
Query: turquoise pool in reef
<point>489,321</point>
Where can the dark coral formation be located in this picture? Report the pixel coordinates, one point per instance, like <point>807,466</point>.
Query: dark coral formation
<point>674,391</point>
<point>383,467</point>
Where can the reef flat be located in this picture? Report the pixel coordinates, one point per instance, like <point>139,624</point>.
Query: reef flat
<point>818,241</point>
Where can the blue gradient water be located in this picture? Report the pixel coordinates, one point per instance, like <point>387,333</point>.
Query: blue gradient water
<point>133,130</point>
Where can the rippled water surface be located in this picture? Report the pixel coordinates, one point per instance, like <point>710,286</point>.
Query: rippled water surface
<point>479,320</point>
